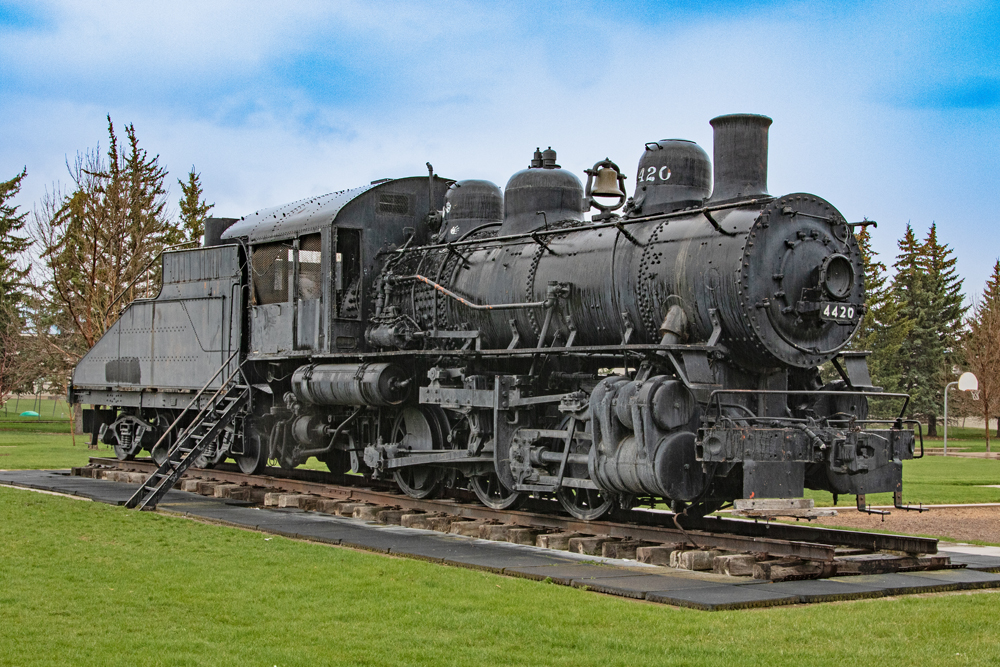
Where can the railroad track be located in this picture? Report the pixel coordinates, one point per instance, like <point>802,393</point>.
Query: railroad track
<point>776,540</point>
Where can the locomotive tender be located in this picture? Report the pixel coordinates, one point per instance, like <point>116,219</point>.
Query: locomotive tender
<point>446,333</point>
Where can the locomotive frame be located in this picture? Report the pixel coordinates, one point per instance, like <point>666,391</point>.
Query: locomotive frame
<point>442,334</point>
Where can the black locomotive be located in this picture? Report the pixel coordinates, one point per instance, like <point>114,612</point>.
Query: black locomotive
<point>446,333</point>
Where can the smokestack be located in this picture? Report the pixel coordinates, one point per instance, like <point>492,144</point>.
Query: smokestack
<point>740,156</point>
<point>214,227</point>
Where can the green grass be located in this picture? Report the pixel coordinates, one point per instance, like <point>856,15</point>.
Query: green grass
<point>53,416</point>
<point>937,480</point>
<point>21,451</point>
<point>89,584</point>
<point>47,408</point>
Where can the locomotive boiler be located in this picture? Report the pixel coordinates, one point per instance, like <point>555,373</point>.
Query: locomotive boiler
<point>687,344</point>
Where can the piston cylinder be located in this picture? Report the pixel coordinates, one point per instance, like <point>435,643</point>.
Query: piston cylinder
<point>351,384</point>
<point>669,470</point>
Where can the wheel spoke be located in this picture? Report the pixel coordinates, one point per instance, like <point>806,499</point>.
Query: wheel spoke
<point>493,494</point>
<point>584,504</point>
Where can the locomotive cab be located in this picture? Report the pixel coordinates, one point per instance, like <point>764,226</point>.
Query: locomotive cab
<point>313,263</point>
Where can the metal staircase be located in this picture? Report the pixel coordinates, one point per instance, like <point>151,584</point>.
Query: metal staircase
<point>206,427</point>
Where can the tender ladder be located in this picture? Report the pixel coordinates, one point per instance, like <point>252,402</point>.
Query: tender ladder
<point>223,407</point>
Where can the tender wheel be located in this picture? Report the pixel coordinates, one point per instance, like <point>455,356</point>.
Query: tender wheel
<point>418,430</point>
<point>253,460</point>
<point>584,504</point>
<point>125,453</point>
<point>493,494</point>
<point>216,452</point>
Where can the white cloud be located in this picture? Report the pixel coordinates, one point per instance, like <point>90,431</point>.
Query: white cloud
<point>474,88</point>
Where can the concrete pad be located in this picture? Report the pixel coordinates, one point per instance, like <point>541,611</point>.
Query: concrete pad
<point>566,572</point>
<point>639,585</point>
<point>508,561</point>
<point>901,583</point>
<point>718,598</point>
<point>967,578</point>
<point>820,590</point>
<point>974,562</point>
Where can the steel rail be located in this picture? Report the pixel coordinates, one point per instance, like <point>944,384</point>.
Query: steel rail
<point>806,542</point>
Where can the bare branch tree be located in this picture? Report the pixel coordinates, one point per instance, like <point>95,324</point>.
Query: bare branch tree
<point>982,348</point>
<point>96,242</point>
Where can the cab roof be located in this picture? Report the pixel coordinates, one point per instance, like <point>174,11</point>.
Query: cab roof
<point>295,219</point>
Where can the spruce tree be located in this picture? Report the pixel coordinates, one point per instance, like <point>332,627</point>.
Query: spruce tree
<point>921,361</point>
<point>883,329</point>
<point>194,209</point>
<point>15,368</point>
<point>11,244</point>
<point>945,311</point>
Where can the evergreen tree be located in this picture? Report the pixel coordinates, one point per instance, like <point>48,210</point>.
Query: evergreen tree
<point>883,328</point>
<point>921,361</point>
<point>194,209</point>
<point>15,367</point>
<point>946,311</point>
<point>11,245</point>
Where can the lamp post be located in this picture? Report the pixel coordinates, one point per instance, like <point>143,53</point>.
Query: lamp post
<point>966,382</point>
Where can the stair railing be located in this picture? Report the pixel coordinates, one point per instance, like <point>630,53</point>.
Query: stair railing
<point>197,396</point>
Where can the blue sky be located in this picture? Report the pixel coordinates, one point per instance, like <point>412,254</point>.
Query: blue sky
<point>888,110</point>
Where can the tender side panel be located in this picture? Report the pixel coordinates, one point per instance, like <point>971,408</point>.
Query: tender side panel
<point>177,340</point>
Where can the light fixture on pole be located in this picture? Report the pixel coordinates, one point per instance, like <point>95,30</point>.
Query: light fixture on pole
<point>966,382</point>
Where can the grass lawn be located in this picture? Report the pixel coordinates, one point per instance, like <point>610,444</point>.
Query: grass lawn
<point>23,451</point>
<point>936,480</point>
<point>47,408</point>
<point>83,583</point>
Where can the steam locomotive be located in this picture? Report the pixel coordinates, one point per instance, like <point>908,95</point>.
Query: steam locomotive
<point>447,334</point>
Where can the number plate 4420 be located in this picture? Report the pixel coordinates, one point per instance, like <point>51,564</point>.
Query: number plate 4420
<point>839,312</point>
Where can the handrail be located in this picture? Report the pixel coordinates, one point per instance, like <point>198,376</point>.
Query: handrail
<point>716,393</point>
<point>142,273</point>
<point>195,399</point>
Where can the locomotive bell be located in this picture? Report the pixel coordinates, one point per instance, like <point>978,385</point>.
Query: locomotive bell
<point>607,183</point>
